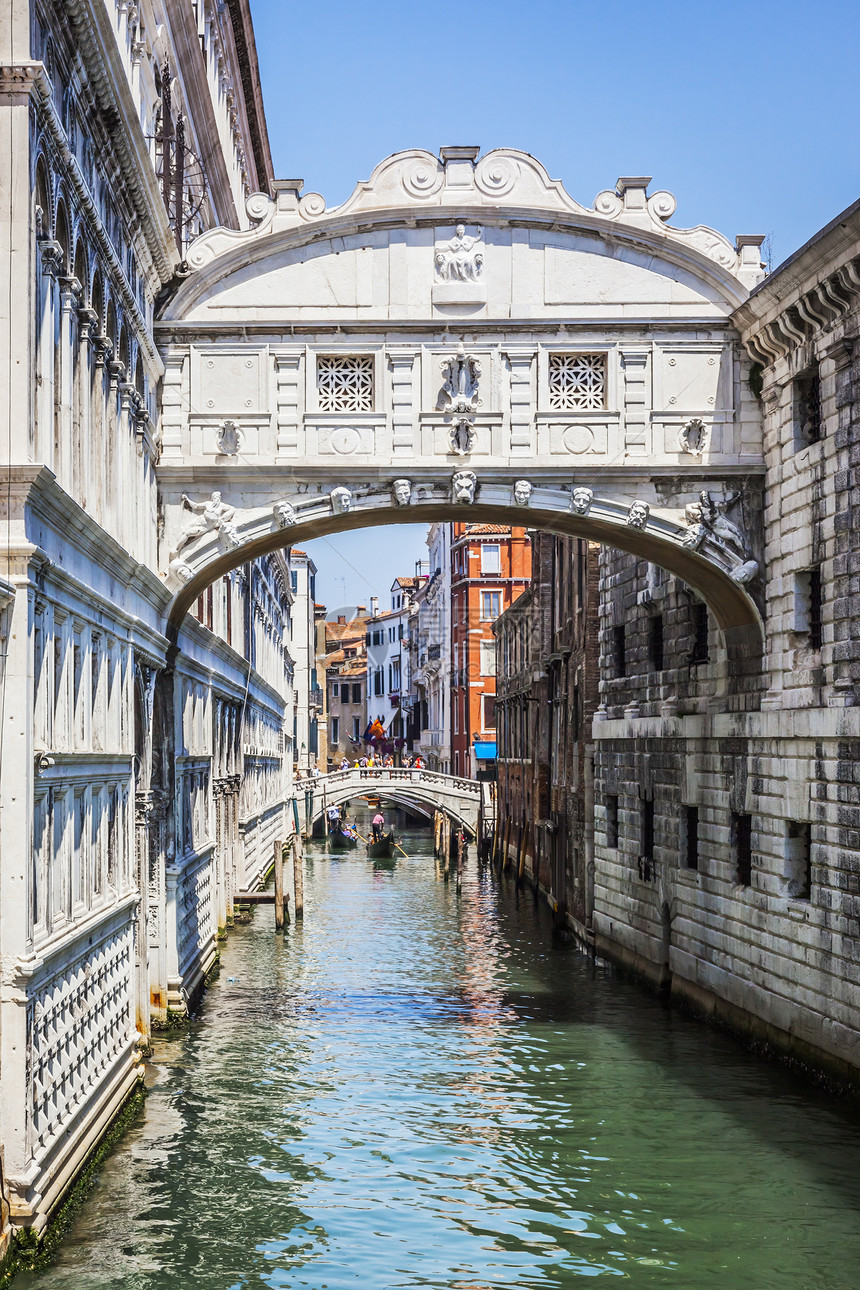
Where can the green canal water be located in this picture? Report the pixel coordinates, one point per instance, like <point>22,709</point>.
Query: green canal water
<point>424,1087</point>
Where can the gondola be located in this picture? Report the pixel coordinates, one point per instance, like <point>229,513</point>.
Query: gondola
<point>382,847</point>
<point>340,841</point>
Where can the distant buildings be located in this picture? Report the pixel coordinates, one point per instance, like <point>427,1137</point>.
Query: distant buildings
<point>346,687</point>
<point>390,696</point>
<point>307,692</point>
<point>430,652</point>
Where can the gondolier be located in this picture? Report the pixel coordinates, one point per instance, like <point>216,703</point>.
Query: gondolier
<point>378,825</point>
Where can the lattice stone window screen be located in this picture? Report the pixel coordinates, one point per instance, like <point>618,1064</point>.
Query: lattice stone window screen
<point>577,381</point>
<point>345,383</point>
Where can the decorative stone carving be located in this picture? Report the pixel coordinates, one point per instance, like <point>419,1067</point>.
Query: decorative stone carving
<point>401,491</point>
<point>581,500</point>
<point>637,516</point>
<point>229,438</point>
<point>179,570</point>
<point>707,518</point>
<point>745,572</point>
<point>341,500</point>
<point>694,436</point>
<point>214,516</point>
<point>463,485</point>
<point>523,490</point>
<point>285,514</point>
<point>462,260</point>
<point>461,398</point>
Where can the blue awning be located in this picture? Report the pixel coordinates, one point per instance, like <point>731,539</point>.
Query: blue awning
<point>485,750</point>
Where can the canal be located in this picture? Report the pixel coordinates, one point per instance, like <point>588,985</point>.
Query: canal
<point>424,1087</point>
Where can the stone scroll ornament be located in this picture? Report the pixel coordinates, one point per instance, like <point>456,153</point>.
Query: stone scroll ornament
<point>706,519</point>
<point>401,491</point>
<point>341,500</point>
<point>460,397</point>
<point>463,485</point>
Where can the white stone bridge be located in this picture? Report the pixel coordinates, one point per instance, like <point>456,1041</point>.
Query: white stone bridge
<point>422,791</point>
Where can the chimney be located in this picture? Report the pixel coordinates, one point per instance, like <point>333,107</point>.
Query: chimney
<point>360,609</point>
<point>341,618</point>
<point>374,606</point>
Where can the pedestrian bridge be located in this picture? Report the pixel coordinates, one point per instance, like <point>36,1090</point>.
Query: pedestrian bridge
<point>423,791</point>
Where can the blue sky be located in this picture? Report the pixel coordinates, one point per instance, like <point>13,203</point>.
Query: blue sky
<point>746,112</point>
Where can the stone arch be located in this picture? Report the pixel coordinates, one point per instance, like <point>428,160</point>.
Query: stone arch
<point>63,235</point>
<point>81,266</point>
<point>423,800</point>
<point>139,378</point>
<point>707,569</point>
<point>43,223</point>
<point>111,323</point>
<point>97,299</point>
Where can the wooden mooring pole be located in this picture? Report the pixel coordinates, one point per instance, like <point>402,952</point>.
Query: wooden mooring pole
<point>279,883</point>
<point>299,876</point>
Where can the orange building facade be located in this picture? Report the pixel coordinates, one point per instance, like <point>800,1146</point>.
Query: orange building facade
<point>490,569</point>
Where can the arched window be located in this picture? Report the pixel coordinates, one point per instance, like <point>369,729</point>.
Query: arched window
<point>42,201</point>
<point>64,237</point>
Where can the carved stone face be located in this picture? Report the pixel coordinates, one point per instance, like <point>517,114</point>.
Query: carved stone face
<point>402,490</point>
<point>285,514</point>
<point>216,499</point>
<point>581,500</point>
<point>463,486</point>
<point>522,492</point>
<point>637,516</point>
<point>461,229</point>
<point>341,500</point>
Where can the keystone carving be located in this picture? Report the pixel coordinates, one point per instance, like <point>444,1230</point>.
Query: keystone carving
<point>285,514</point>
<point>523,490</point>
<point>581,500</point>
<point>463,485</point>
<point>341,500</point>
<point>401,491</point>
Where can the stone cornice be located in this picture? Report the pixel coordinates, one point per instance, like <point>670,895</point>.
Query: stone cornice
<point>38,87</point>
<point>97,46</point>
<point>252,92</point>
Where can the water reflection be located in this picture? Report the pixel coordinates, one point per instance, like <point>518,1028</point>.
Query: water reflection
<point>419,1086</point>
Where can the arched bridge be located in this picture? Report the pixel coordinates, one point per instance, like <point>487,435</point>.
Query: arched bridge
<point>417,790</point>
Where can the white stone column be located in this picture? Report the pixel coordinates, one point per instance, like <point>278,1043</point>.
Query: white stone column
<point>287,374</point>
<point>173,420</point>
<point>70,290</point>
<point>402,363</point>
<point>635,401</point>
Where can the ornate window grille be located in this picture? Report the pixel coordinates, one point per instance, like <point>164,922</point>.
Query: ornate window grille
<point>345,383</point>
<point>577,381</point>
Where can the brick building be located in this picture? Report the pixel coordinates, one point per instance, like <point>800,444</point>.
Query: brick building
<point>346,686</point>
<point>490,568</point>
<point>547,693</point>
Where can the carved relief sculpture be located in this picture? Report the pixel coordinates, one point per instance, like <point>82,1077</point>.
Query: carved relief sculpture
<point>462,260</point>
<point>463,485</point>
<point>460,397</point>
<point>341,500</point>
<point>214,516</point>
<point>285,514</point>
<point>637,516</point>
<point>694,436</point>
<point>401,490</point>
<point>523,490</point>
<point>581,500</point>
<point>707,518</point>
<point>229,438</point>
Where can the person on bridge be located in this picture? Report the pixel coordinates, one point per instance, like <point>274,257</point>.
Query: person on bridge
<point>378,825</point>
<point>418,763</point>
<point>344,765</point>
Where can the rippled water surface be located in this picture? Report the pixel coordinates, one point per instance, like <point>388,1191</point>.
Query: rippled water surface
<point>421,1086</point>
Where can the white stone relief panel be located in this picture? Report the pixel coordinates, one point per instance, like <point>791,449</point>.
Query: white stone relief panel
<point>692,379</point>
<point>334,273</point>
<point>581,437</point>
<point>225,381</point>
<point>345,440</point>
<point>206,439</point>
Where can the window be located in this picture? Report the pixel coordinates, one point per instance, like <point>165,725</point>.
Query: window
<point>619,650</point>
<point>489,721</point>
<point>335,690</point>
<point>356,728</point>
<point>577,381</point>
<point>491,605</point>
<point>806,401</point>
<point>335,729</point>
<point>488,658</point>
<point>741,837</point>
<point>655,642</point>
<point>646,835</point>
<point>378,677</point>
<point>612,821</point>
<point>294,580</point>
<point>691,837</point>
<point>345,383</point>
<point>798,859</point>
<point>491,558</point>
<point>807,605</point>
<point>700,652</point>
<point>356,692</point>
<point>400,632</point>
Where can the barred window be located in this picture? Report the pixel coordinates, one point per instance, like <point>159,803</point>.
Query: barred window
<point>345,382</point>
<point>577,381</point>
